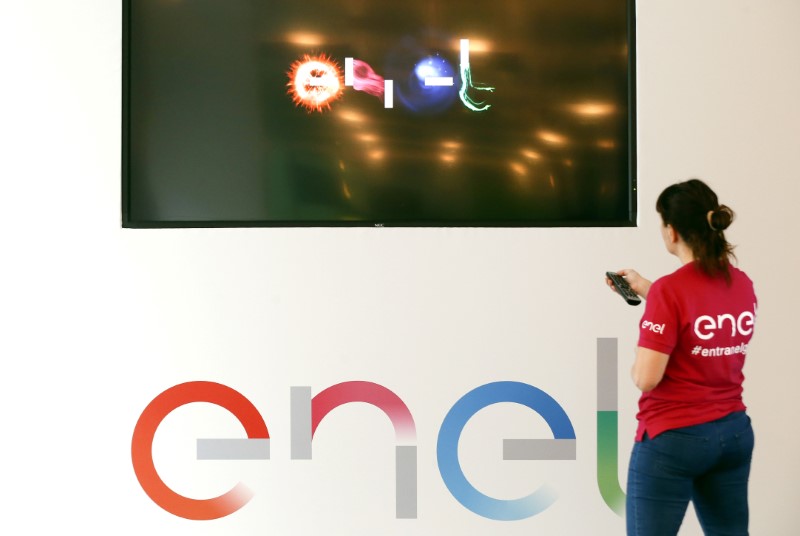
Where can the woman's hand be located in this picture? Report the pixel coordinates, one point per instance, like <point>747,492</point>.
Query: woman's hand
<point>639,284</point>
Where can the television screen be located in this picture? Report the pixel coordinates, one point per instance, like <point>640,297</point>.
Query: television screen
<point>426,113</point>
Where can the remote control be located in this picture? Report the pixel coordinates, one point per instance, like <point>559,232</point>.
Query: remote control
<point>624,288</point>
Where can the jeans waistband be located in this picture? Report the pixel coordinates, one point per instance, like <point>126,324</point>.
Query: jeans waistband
<point>732,416</point>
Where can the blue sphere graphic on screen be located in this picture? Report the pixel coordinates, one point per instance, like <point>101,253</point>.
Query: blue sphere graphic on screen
<point>430,87</point>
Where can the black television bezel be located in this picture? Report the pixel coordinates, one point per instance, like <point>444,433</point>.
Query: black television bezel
<point>129,223</point>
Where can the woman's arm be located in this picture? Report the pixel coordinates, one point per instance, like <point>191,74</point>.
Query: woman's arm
<point>648,368</point>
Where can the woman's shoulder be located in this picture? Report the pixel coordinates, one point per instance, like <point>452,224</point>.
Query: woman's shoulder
<point>685,280</point>
<point>678,277</point>
<point>740,276</point>
<point>666,285</point>
<point>738,272</point>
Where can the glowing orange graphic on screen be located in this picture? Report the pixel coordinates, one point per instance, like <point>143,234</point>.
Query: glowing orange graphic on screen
<point>315,82</point>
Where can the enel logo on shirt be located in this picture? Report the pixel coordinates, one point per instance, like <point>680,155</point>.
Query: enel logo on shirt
<point>652,326</point>
<point>707,326</point>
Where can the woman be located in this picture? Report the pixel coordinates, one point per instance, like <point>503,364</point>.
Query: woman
<point>694,441</point>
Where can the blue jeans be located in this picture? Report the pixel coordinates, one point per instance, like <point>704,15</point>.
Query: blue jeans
<point>708,464</point>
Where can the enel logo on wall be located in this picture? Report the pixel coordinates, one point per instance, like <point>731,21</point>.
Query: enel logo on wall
<point>307,413</point>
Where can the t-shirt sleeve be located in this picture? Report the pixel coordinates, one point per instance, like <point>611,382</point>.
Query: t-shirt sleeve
<point>659,327</point>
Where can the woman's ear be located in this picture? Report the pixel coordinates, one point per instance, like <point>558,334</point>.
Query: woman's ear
<point>672,234</point>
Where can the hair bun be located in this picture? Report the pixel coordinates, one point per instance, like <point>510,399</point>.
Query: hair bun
<point>720,219</point>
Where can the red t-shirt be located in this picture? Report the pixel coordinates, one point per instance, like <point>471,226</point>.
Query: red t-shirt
<point>704,325</point>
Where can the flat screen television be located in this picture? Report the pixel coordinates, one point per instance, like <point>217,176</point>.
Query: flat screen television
<point>421,113</point>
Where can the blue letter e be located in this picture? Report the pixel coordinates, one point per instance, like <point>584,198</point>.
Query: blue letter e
<point>562,444</point>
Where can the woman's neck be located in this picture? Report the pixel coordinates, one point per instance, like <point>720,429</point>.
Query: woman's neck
<point>684,253</point>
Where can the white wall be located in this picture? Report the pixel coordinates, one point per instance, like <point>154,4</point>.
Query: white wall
<point>98,320</point>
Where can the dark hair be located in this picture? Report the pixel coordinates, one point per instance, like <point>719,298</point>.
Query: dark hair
<point>692,209</point>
